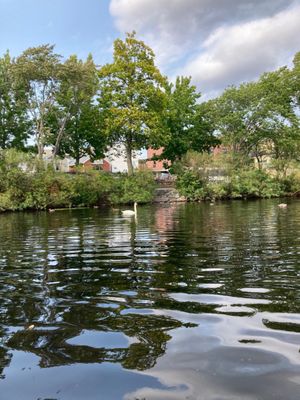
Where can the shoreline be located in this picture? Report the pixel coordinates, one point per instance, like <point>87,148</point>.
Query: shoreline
<point>120,205</point>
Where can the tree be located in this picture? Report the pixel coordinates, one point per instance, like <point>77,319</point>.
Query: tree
<point>189,126</point>
<point>259,119</point>
<point>76,115</point>
<point>279,96</point>
<point>39,69</point>
<point>132,98</point>
<point>182,108</point>
<point>13,117</point>
<point>83,135</point>
<point>295,81</point>
<point>241,118</point>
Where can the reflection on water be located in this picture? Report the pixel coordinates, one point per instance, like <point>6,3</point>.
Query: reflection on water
<point>186,302</point>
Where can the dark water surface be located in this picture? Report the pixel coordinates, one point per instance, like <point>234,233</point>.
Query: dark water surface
<point>188,302</point>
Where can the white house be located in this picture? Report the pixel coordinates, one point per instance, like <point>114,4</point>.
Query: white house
<point>116,158</point>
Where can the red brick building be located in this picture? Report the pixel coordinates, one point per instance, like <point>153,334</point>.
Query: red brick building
<point>86,165</point>
<point>155,165</point>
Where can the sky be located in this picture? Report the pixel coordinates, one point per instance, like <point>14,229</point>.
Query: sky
<point>216,42</point>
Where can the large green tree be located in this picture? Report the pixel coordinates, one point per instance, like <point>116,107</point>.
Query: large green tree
<point>241,118</point>
<point>133,98</point>
<point>279,97</point>
<point>14,127</point>
<point>38,68</point>
<point>295,81</point>
<point>76,115</point>
<point>261,118</point>
<point>188,122</point>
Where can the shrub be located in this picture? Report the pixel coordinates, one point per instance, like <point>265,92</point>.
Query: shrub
<point>30,184</point>
<point>195,182</point>
<point>190,185</point>
<point>254,183</point>
<point>139,187</point>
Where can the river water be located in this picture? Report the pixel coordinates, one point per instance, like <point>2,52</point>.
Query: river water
<point>189,301</point>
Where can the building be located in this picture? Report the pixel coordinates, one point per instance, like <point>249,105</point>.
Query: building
<point>114,161</point>
<point>115,156</point>
<point>86,164</point>
<point>159,167</point>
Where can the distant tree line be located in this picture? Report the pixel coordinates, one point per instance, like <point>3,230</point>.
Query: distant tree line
<point>81,109</point>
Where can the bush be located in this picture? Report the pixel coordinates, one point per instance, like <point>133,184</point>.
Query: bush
<point>195,179</point>
<point>139,187</point>
<point>191,186</point>
<point>254,183</point>
<point>29,184</point>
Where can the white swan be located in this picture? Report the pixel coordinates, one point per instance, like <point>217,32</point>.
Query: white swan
<point>130,213</point>
<point>282,205</point>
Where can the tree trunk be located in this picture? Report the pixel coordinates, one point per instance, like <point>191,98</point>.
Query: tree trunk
<point>59,136</point>
<point>129,160</point>
<point>40,147</point>
<point>259,162</point>
<point>40,141</point>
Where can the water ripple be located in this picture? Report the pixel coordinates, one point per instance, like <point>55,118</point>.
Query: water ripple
<point>180,302</point>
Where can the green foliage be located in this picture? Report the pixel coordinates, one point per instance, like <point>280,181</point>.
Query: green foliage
<point>80,110</point>
<point>77,118</point>
<point>38,68</point>
<point>191,186</point>
<point>254,183</point>
<point>203,177</point>
<point>187,121</point>
<point>14,124</point>
<point>27,183</point>
<point>261,119</point>
<point>139,187</point>
<point>132,98</point>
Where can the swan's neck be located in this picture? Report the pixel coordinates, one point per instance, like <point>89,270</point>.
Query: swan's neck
<point>135,208</point>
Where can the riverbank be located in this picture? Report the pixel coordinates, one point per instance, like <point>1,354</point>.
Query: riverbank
<point>247,182</point>
<point>45,188</point>
<point>51,191</point>
<point>36,186</point>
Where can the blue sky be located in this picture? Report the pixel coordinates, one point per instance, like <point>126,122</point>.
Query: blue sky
<point>217,42</point>
<point>74,26</point>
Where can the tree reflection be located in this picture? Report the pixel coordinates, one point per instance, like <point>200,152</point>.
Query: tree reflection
<point>52,347</point>
<point>92,270</point>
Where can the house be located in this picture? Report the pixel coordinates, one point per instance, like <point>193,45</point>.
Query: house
<point>114,161</point>
<point>68,164</point>
<point>115,156</point>
<point>86,164</point>
<point>159,167</point>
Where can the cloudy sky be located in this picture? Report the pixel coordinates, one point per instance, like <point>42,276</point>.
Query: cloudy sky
<point>217,42</point>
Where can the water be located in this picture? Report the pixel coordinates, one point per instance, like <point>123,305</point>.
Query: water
<point>192,301</point>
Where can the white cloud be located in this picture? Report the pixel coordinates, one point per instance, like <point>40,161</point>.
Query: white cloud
<point>224,41</point>
<point>180,18</point>
<point>242,52</point>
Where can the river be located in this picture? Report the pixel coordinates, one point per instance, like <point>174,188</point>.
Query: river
<point>187,301</point>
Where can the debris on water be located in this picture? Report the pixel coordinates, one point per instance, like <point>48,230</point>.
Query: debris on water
<point>249,341</point>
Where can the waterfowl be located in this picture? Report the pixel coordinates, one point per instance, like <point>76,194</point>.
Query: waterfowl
<point>130,213</point>
<point>282,205</point>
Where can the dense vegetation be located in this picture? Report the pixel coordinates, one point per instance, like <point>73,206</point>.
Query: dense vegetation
<point>25,184</point>
<point>230,176</point>
<point>258,125</point>
<point>79,109</point>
